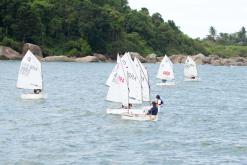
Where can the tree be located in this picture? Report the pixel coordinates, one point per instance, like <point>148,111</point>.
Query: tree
<point>242,35</point>
<point>212,33</point>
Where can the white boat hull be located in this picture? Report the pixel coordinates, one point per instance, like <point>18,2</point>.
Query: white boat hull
<point>189,79</point>
<point>32,96</point>
<point>140,117</point>
<point>130,111</point>
<point>166,84</point>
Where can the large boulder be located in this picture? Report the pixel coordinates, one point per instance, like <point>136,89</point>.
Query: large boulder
<point>151,58</point>
<point>177,59</point>
<point>213,58</point>
<point>100,57</point>
<point>137,55</point>
<point>216,62</point>
<point>35,49</point>
<point>87,59</point>
<point>200,59</point>
<point>58,59</point>
<point>159,59</point>
<point>6,53</point>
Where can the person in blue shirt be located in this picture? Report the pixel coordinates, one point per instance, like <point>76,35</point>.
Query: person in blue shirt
<point>153,110</point>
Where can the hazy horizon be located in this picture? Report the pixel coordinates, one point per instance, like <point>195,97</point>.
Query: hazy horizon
<point>195,17</point>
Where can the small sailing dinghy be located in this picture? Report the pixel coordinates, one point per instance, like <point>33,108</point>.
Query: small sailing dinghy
<point>125,88</point>
<point>30,76</point>
<point>165,73</point>
<point>190,70</point>
<point>143,76</point>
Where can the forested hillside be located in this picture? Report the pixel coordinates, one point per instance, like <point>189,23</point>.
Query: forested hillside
<point>82,27</point>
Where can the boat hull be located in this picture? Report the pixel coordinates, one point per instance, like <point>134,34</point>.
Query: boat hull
<point>166,84</point>
<point>140,117</point>
<point>31,96</point>
<point>130,111</point>
<point>189,79</point>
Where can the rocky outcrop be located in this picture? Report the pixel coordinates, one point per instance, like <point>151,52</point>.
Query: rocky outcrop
<point>151,58</point>
<point>59,59</point>
<point>177,59</point>
<point>200,59</point>
<point>6,53</point>
<point>87,59</point>
<point>35,49</point>
<point>137,55</point>
<point>101,57</point>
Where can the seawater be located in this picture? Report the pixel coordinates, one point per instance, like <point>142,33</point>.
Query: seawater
<point>202,122</point>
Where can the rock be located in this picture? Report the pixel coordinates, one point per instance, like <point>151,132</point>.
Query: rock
<point>213,58</point>
<point>100,57</point>
<point>137,55</point>
<point>159,59</point>
<point>35,49</point>
<point>216,62</point>
<point>177,59</point>
<point>87,59</point>
<point>58,59</point>
<point>200,59</point>
<point>7,53</point>
<point>151,58</point>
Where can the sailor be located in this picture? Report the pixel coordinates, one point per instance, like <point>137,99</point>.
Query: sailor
<point>127,107</point>
<point>153,110</point>
<point>164,80</point>
<point>159,102</point>
<point>36,91</point>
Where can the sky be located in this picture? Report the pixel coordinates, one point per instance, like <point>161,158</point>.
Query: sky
<point>194,17</point>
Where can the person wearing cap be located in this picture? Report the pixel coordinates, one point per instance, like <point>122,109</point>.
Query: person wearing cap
<point>36,91</point>
<point>159,101</point>
<point>154,110</point>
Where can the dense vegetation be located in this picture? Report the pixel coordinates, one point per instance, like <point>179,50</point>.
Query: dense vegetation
<point>81,27</point>
<point>226,45</point>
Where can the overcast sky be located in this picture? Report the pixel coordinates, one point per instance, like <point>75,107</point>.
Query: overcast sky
<point>194,17</point>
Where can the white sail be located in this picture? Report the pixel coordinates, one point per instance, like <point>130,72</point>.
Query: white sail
<point>143,77</point>
<point>113,73</point>
<point>118,90</point>
<point>30,74</point>
<point>165,71</point>
<point>190,69</point>
<point>134,84</point>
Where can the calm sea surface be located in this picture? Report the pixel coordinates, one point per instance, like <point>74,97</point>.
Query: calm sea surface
<point>202,122</point>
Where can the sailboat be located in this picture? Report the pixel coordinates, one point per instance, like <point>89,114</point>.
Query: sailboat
<point>165,72</point>
<point>125,88</point>
<point>30,76</point>
<point>190,70</point>
<point>143,77</point>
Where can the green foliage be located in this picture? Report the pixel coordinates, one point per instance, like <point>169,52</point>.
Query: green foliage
<point>77,48</point>
<point>11,43</point>
<point>81,27</point>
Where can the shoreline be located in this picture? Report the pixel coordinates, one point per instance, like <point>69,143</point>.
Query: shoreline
<point>176,59</point>
<point>7,53</point>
